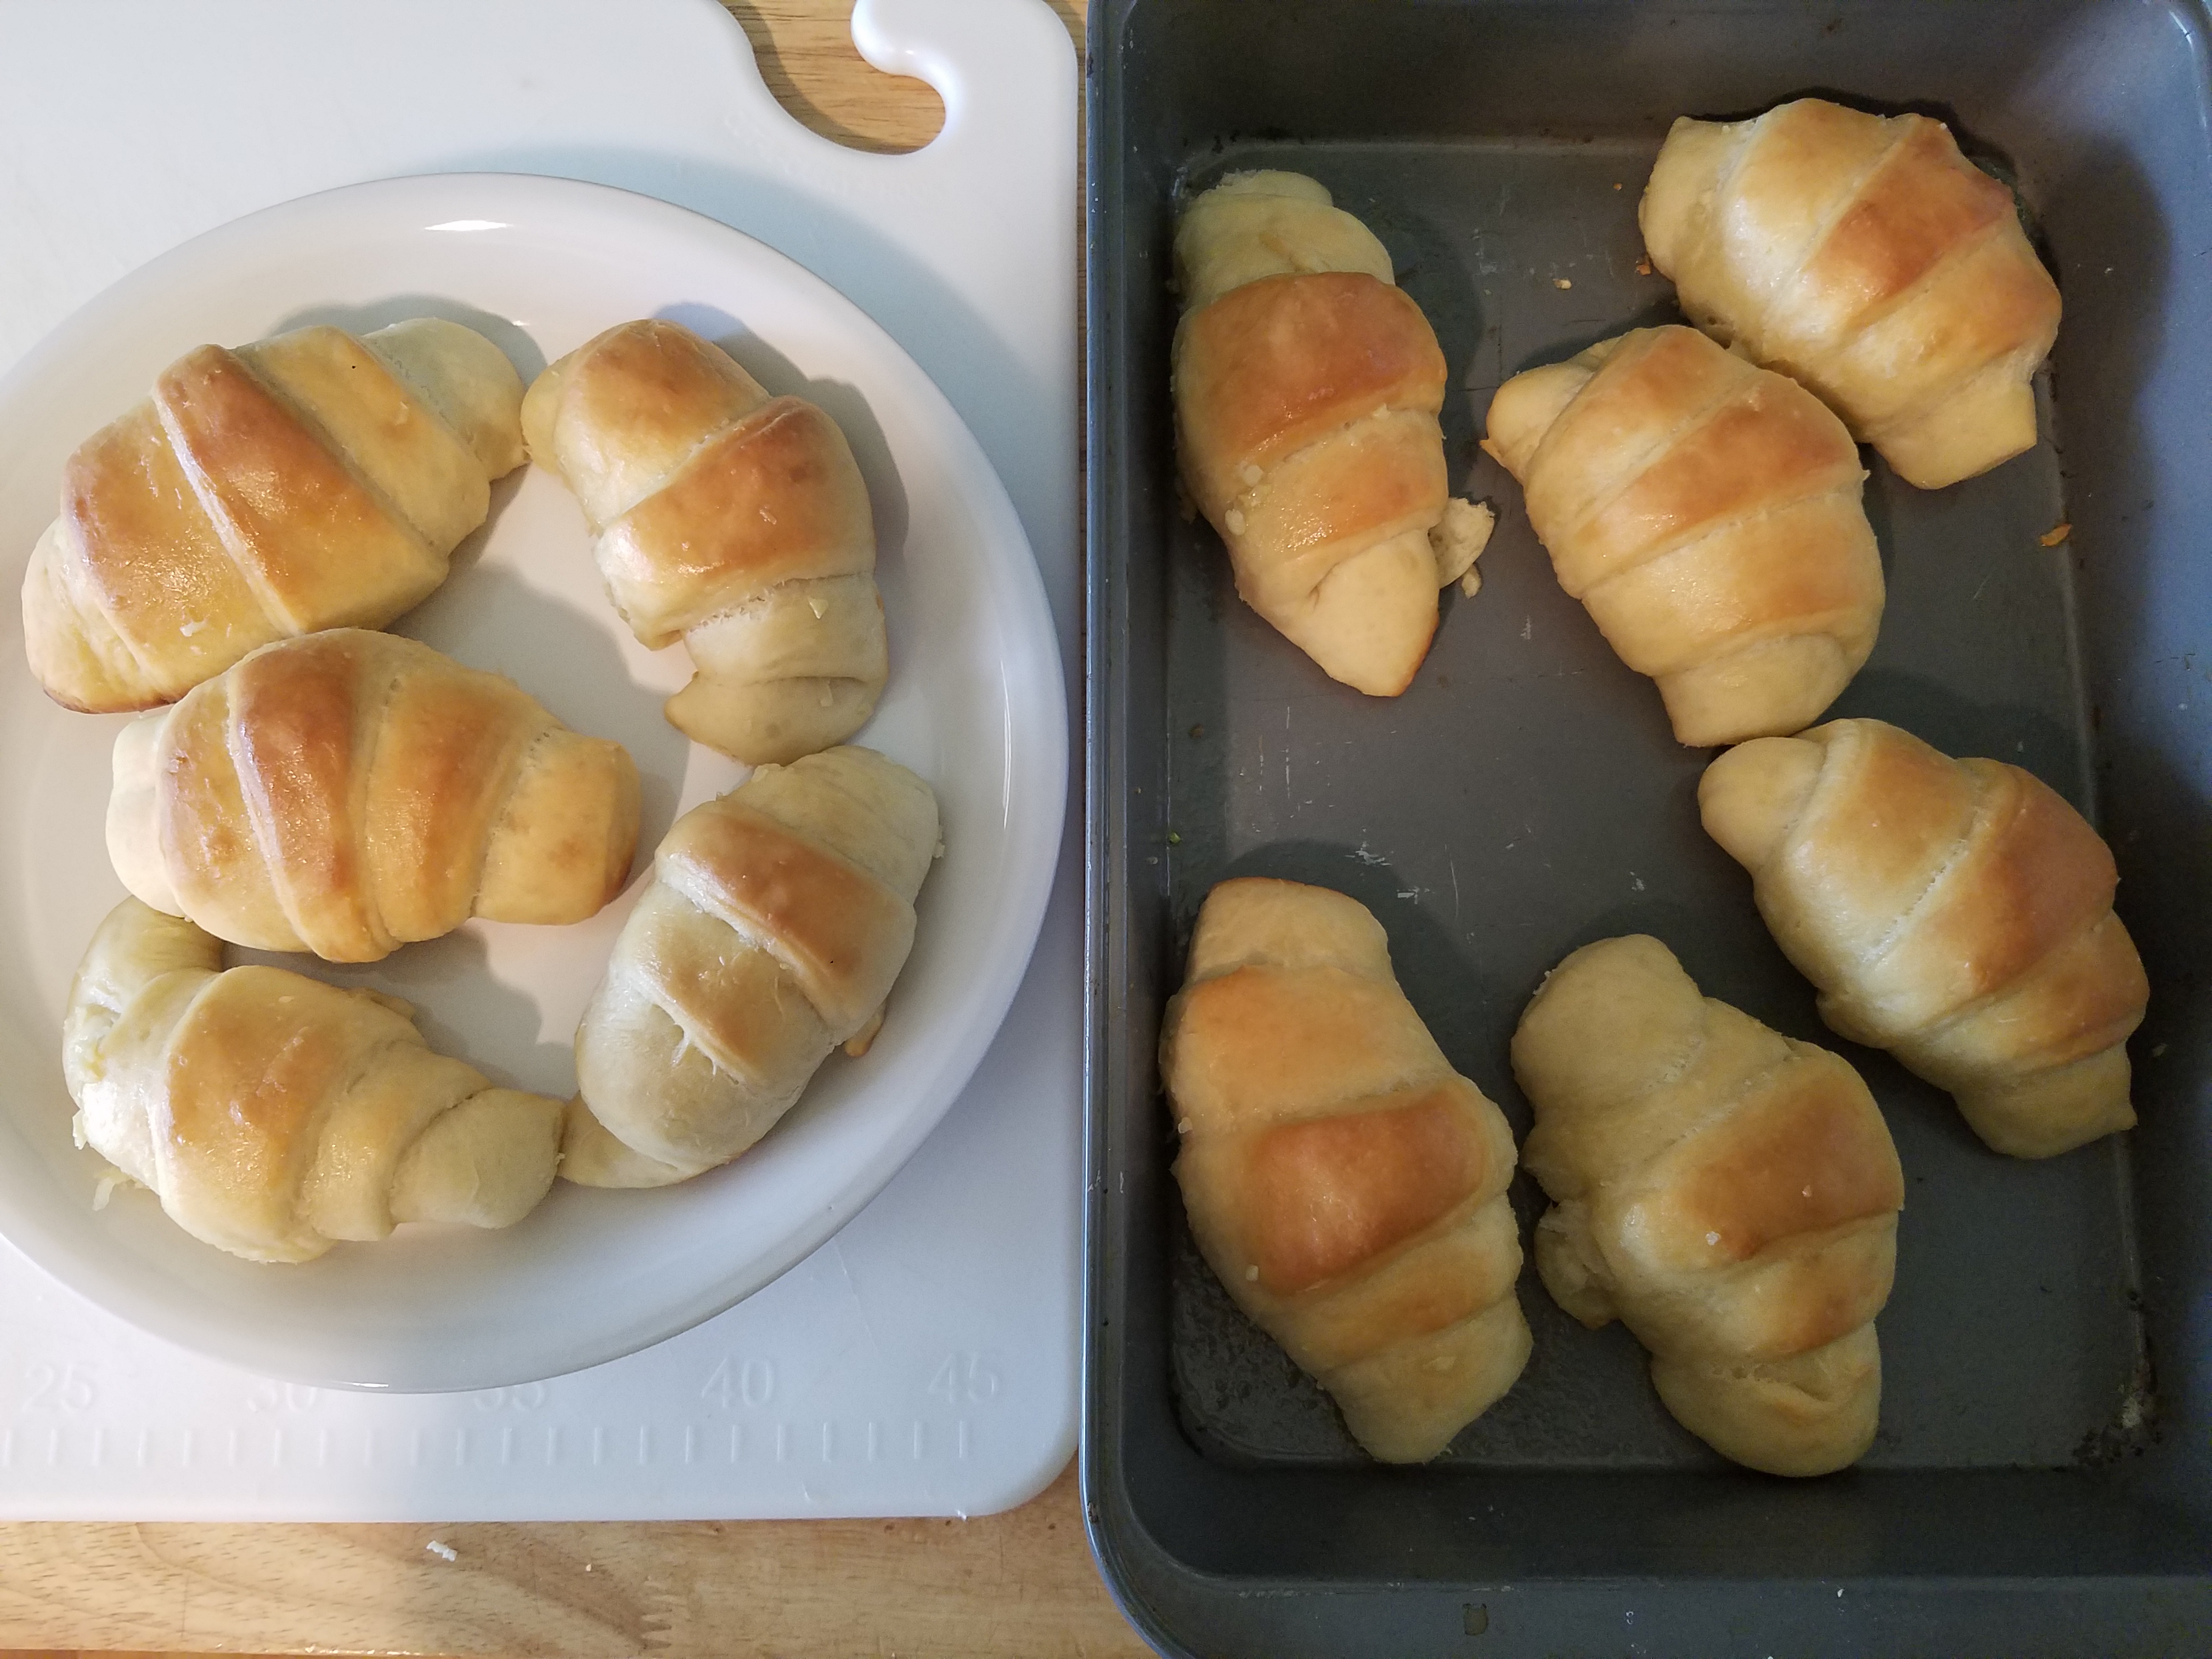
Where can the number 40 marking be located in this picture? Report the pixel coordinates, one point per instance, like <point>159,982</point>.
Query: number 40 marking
<point>752,1383</point>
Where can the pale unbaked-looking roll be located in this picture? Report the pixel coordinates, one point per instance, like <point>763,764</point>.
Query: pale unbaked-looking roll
<point>778,917</point>
<point>1708,513</point>
<point>1957,913</point>
<point>1867,259</point>
<point>1728,1194</point>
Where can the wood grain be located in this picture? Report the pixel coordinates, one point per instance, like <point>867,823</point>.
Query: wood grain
<point>1015,1586</point>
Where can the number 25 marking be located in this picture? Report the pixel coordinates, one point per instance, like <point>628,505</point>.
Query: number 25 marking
<point>66,1389</point>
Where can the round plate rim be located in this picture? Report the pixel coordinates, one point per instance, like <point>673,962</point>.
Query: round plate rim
<point>1042,739</point>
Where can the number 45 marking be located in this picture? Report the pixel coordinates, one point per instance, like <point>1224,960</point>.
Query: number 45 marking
<point>965,1379</point>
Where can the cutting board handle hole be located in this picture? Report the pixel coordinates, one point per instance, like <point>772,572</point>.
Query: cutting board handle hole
<point>824,84</point>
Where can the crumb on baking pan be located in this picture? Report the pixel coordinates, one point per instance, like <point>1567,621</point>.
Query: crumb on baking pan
<point>1457,540</point>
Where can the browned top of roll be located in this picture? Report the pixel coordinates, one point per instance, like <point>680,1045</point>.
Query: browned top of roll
<point>840,932</point>
<point>1274,365</point>
<point>1326,1194</point>
<point>774,498</point>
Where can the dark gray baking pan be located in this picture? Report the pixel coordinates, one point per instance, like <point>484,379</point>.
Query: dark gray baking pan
<point>2043,1479</point>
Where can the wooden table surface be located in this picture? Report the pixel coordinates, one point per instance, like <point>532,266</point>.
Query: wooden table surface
<point>1020,1585</point>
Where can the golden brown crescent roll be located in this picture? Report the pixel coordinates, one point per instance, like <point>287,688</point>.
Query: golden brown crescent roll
<point>313,480</point>
<point>1871,260</point>
<point>735,520</point>
<point>1306,392</point>
<point>778,917</point>
<point>274,1114</point>
<point>1707,513</point>
<point>1346,1185</point>
<point>1728,1194</point>
<point>1957,913</point>
<point>349,792</point>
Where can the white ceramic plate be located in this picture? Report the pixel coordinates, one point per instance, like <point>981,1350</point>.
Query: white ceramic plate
<point>975,705</point>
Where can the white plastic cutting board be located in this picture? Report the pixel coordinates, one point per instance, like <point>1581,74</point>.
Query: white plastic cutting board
<point>924,1360</point>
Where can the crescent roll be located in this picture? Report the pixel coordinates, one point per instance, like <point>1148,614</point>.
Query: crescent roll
<point>1708,513</point>
<point>1345,1184</point>
<point>1306,391</point>
<point>349,792</point>
<point>313,480</point>
<point>1866,258</point>
<point>733,520</point>
<point>778,918</point>
<point>1957,913</point>
<point>274,1114</point>
<point>1727,1193</point>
